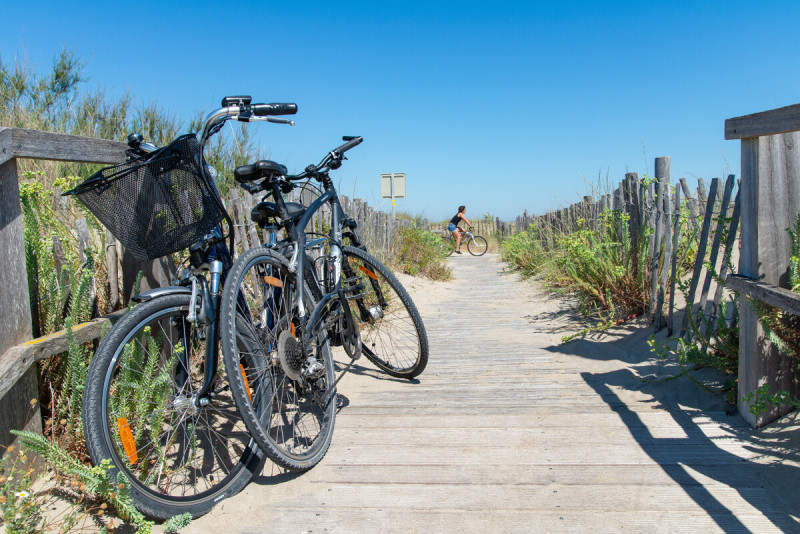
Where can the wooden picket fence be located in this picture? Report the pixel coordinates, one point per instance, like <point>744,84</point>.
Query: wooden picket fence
<point>664,212</point>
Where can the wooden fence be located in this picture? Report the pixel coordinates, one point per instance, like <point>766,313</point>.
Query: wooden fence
<point>770,160</point>
<point>660,211</point>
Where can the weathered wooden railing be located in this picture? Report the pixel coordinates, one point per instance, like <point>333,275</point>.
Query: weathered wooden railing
<point>770,189</point>
<point>19,381</point>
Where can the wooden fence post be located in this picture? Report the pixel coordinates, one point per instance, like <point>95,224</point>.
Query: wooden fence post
<point>662,183</point>
<point>770,174</point>
<point>701,255</point>
<point>663,233</point>
<point>676,235</point>
<point>15,312</point>
<point>111,269</point>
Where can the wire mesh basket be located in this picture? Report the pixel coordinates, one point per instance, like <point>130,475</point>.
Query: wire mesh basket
<point>158,204</point>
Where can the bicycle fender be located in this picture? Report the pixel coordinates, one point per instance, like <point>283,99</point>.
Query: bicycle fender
<point>160,292</point>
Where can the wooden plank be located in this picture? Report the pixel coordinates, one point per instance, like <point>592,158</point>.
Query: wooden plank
<point>726,258</point>
<point>676,236</point>
<point>84,240</point>
<point>667,257</point>
<point>662,165</point>
<point>15,361</point>
<point>777,296</point>
<point>691,204</point>
<point>111,269</point>
<point>701,254</point>
<point>240,235</point>
<point>654,220</point>
<point>774,121</point>
<point>59,258</point>
<point>715,246</point>
<point>701,196</point>
<point>34,144</point>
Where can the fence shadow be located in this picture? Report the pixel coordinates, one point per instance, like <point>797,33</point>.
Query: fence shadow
<point>688,459</point>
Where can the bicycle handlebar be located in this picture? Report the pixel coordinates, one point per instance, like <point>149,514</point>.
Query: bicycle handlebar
<point>351,143</point>
<point>242,110</point>
<point>337,154</point>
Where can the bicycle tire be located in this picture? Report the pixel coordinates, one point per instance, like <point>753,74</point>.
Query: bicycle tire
<point>477,246</point>
<point>291,422</point>
<point>138,413</point>
<point>392,331</point>
<point>450,245</point>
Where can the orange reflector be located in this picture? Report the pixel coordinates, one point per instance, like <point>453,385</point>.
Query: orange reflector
<point>127,440</point>
<point>272,281</point>
<point>368,272</point>
<point>246,383</point>
<point>292,329</point>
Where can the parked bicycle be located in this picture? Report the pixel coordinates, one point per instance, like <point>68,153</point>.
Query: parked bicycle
<point>157,403</point>
<point>354,301</point>
<point>476,245</point>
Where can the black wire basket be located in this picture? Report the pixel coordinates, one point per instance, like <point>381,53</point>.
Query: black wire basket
<point>158,204</point>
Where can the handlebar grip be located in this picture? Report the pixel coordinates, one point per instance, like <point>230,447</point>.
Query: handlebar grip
<point>274,109</point>
<point>355,141</point>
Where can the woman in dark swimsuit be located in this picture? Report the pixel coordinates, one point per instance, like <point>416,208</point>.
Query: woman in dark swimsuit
<point>455,230</point>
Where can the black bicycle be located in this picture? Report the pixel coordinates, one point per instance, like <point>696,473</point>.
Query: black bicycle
<point>353,301</point>
<point>157,403</point>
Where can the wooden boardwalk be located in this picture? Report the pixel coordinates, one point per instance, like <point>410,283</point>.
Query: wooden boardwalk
<point>508,431</point>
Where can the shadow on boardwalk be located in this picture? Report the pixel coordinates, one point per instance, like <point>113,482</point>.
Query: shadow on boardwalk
<point>753,462</point>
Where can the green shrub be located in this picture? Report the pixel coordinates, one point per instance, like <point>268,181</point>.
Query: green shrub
<point>598,263</point>
<point>420,252</point>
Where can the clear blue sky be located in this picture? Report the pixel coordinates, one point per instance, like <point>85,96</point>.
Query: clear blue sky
<point>501,106</point>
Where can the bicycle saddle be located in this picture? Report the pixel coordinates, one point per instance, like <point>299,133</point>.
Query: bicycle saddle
<point>269,210</point>
<point>258,170</point>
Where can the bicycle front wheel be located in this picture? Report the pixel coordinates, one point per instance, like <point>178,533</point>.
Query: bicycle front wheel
<point>393,335</point>
<point>140,411</point>
<point>286,399</point>
<point>477,246</point>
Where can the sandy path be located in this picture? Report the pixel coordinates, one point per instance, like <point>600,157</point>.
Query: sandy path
<point>508,431</point>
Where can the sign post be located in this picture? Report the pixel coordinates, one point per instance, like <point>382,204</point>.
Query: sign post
<point>393,186</point>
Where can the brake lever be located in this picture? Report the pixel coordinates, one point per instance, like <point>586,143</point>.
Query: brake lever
<point>277,120</point>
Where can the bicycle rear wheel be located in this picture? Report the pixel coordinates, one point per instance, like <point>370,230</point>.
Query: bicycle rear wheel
<point>449,245</point>
<point>393,335</point>
<point>139,412</point>
<point>284,397</point>
<point>477,246</point>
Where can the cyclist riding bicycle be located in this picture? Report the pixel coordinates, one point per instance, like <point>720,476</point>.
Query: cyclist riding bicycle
<point>454,229</point>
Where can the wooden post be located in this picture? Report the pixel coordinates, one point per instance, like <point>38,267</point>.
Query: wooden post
<point>83,238</point>
<point>662,184</point>
<point>676,235</point>
<point>691,204</point>
<point>58,256</point>
<point>663,233</point>
<point>111,269</point>
<point>15,312</point>
<point>770,205</point>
